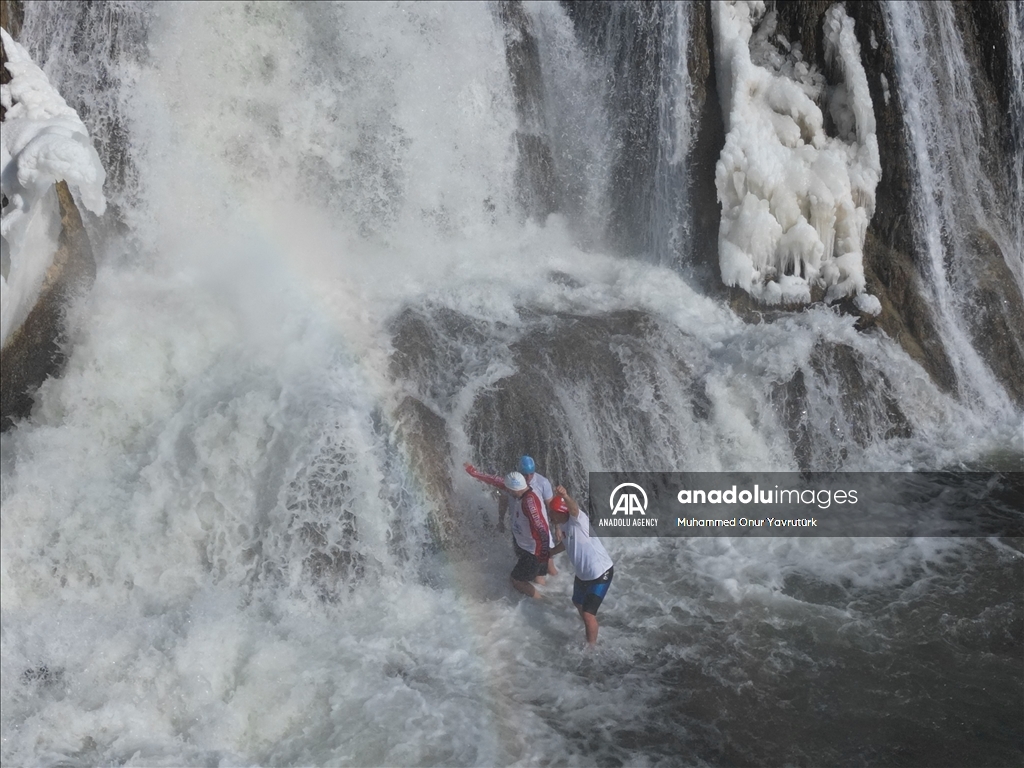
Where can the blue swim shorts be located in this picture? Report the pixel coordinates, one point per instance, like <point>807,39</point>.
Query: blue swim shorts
<point>589,594</point>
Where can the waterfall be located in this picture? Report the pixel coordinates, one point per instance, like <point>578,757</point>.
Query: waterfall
<point>236,529</point>
<point>618,101</point>
<point>957,208</point>
<point>1015,32</point>
<point>670,227</point>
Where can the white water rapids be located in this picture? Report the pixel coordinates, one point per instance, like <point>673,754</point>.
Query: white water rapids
<point>215,547</point>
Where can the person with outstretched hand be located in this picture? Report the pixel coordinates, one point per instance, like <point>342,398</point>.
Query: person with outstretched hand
<point>530,532</point>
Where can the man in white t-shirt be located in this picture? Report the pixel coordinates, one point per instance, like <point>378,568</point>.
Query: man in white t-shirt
<point>594,568</point>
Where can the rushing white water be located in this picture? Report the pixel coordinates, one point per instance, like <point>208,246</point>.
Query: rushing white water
<point>215,545</point>
<point>954,199</point>
<point>1015,29</point>
<point>675,132</point>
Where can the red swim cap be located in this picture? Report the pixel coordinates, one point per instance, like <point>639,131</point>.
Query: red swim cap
<point>557,504</point>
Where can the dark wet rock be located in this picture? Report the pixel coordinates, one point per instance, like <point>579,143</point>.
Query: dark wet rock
<point>790,399</point>
<point>801,21</point>
<point>629,366</point>
<point>996,316</point>
<point>626,364</point>
<point>707,146</point>
<point>869,405</point>
<point>891,253</point>
<point>425,436</point>
<point>329,566</point>
<point>700,404</point>
<point>523,59</point>
<point>561,278</point>
<point>752,311</point>
<point>38,349</point>
<point>840,399</point>
<point>43,676</point>
<point>988,23</point>
<point>12,16</point>
<point>906,316</point>
<point>535,175</point>
<point>436,350</point>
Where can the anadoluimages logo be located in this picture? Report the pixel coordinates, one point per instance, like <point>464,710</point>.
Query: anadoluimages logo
<point>628,503</point>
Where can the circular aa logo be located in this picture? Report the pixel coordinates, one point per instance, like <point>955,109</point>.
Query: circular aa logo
<point>628,503</point>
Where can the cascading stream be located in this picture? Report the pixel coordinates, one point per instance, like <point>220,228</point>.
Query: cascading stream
<point>955,204</point>
<point>1015,31</point>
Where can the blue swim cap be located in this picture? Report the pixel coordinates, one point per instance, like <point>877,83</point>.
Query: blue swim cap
<point>526,465</point>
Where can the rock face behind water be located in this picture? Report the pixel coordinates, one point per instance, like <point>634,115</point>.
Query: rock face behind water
<point>37,350</point>
<point>535,180</point>
<point>997,319</point>
<point>996,323</point>
<point>629,366</point>
<point>425,436</point>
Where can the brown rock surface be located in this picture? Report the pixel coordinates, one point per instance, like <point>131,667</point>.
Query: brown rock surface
<point>37,349</point>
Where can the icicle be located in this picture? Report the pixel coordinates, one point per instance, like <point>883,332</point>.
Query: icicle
<point>776,150</point>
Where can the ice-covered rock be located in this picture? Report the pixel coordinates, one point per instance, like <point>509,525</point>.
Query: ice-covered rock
<point>46,256</point>
<point>796,201</point>
<point>43,141</point>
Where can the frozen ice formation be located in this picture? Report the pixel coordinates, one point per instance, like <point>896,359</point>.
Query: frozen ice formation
<point>796,202</point>
<point>43,141</point>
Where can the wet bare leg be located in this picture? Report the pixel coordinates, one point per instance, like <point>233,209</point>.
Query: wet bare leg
<point>526,588</point>
<point>589,624</point>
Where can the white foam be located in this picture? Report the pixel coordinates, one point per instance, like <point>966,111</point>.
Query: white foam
<point>795,201</point>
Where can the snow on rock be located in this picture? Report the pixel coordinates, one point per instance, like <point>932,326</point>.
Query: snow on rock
<point>796,202</point>
<point>43,141</point>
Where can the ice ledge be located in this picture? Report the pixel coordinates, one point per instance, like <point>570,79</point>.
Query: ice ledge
<point>43,141</point>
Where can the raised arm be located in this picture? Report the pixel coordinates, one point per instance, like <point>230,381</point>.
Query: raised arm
<point>496,480</point>
<point>574,509</point>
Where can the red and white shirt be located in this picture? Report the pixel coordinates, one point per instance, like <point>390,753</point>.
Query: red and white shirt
<point>530,527</point>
